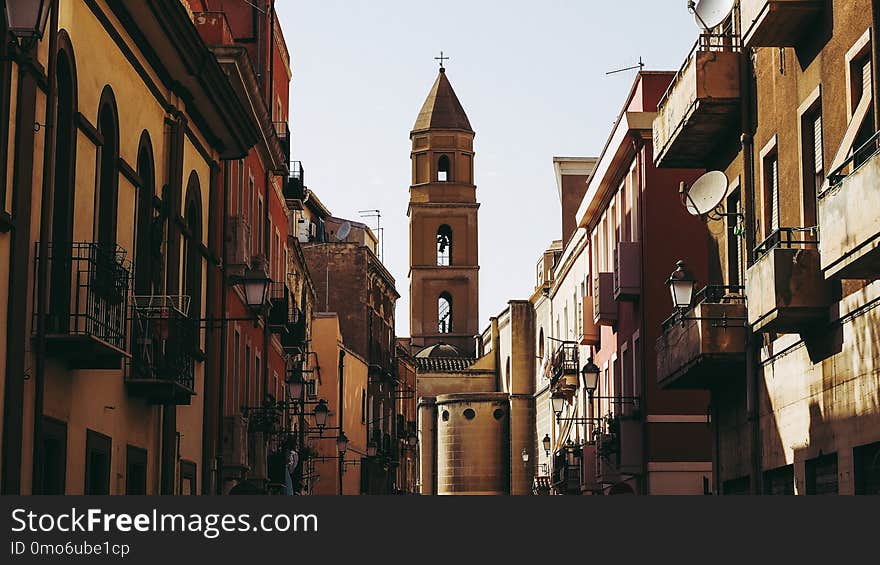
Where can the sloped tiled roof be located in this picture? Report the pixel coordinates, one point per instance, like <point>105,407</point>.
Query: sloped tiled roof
<point>442,110</point>
<point>444,364</point>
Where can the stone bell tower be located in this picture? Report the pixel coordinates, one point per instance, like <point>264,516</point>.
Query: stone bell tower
<point>444,264</point>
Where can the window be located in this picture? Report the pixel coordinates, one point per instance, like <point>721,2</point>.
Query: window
<point>866,466</point>
<point>444,246</point>
<point>821,474</point>
<point>444,169</point>
<point>108,178</point>
<point>192,273</point>
<point>53,458</point>
<point>628,379</point>
<point>444,310</point>
<point>188,478</point>
<point>239,192</point>
<point>541,343</point>
<point>259,225</point>
<point>861,89</point>
<point>813,160</point>
<point>246,397</point>
<point>771,192</point>
<point>634,194</point>
<point>97,476</point>
<point>144,247</point>
<point>363,406</point>
<point>135,470</point>
<point>236,368</point>
<point>779,481</point>
<point>65,166</point>
<point>735,268</point>
<point>258,373</point>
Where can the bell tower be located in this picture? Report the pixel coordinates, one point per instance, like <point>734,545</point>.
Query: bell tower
<point>444,263</point>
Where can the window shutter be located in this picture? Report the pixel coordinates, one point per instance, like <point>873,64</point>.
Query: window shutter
<point>866,77</point>
<point>774,194</point>
<point>817,144</point>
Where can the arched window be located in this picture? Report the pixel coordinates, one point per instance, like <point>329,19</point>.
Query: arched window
<point>444,169</point>
<point>507,379</point>
<point>444,310</point>
<point>541,344</point>
<point>192,274</point>
<point>143,261</point>
<point>63,190</point>
<point>444,246</point>
<point>108,177</point>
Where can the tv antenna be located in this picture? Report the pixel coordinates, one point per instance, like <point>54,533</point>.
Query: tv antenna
<point>640,66</point>
<point>710,13</point>
<point>380,231</point>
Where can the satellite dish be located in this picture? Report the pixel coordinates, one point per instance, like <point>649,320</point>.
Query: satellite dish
<point>706,194</point>
<point>343,232</point>
<point>710,13</point>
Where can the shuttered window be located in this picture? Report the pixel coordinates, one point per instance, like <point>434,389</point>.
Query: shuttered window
<point>771,193</point>
<point>866,77</point>
<point>779,481</point>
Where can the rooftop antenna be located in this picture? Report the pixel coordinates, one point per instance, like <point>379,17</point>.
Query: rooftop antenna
<point>640,66</point>
<point>380,231</point>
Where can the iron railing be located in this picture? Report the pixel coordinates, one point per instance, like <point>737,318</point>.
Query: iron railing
<point>858,158</point>
<point>565,361</point>
<point>282,307</point>
<point>164,349</point>
<point>788,238</point>
<point>711,294</point>
<point>88,294</point>
<point>296,182</point>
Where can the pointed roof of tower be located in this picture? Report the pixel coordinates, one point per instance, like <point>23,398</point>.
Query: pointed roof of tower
<point>442,110</point>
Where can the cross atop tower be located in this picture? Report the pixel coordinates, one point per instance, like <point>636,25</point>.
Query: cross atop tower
<point>441,58</point>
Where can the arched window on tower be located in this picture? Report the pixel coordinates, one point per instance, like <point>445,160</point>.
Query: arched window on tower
<point>444,246</point>
<point>444,310</point>
<point>444,168</point>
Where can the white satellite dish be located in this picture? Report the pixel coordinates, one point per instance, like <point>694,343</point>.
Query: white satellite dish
<point>706,194</point>
<point>343,232</point>
<point>710,13</point>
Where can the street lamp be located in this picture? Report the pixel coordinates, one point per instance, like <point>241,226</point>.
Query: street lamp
<point>525,455</point>
<point>546,444</point>
<point>372,449</point>
<point>590,373</point>
<point>27,18</point>
<point>295,385</point>
<point>412,440</point>
<point>558,402</point>
<point>342,444</point>
<point>681,286</point>
<point>254,284</point>
<point>320,412</point>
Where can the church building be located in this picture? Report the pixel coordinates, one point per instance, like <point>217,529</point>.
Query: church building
<point>466,433</point>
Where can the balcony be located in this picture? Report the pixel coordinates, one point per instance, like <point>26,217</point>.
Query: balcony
<point>701,104</point>
<point>282,308</point>
<point>777,23</point>
<point>282,132</point>
<point>706,344</point>
<point>295,339</point>
<point>238,243</point>
<point>627,271</point>
<point>565,369</point>
<point>381,362</point>
<point>295,186</point>
<point>88,300</point>
<point>604,305</point>
<point>592,332</point>
<point>213,28</point>
<point>162,366</point>
<point>787,292</point>
<point>850,242</point>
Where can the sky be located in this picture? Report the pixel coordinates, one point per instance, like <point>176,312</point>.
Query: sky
<point>531,76</point>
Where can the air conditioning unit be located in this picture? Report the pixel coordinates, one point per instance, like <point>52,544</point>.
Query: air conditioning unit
<point>627,271</point>
<point>234,442</point>
<point>238,242</point>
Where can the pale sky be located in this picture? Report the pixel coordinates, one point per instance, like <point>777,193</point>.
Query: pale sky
<point>530,75</point>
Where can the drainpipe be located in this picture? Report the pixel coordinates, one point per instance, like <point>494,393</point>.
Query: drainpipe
<point>753,343</point>
<point>46,206</point>
<point>643,315</point>
<point>341,373</point>
<point>875,44</point>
